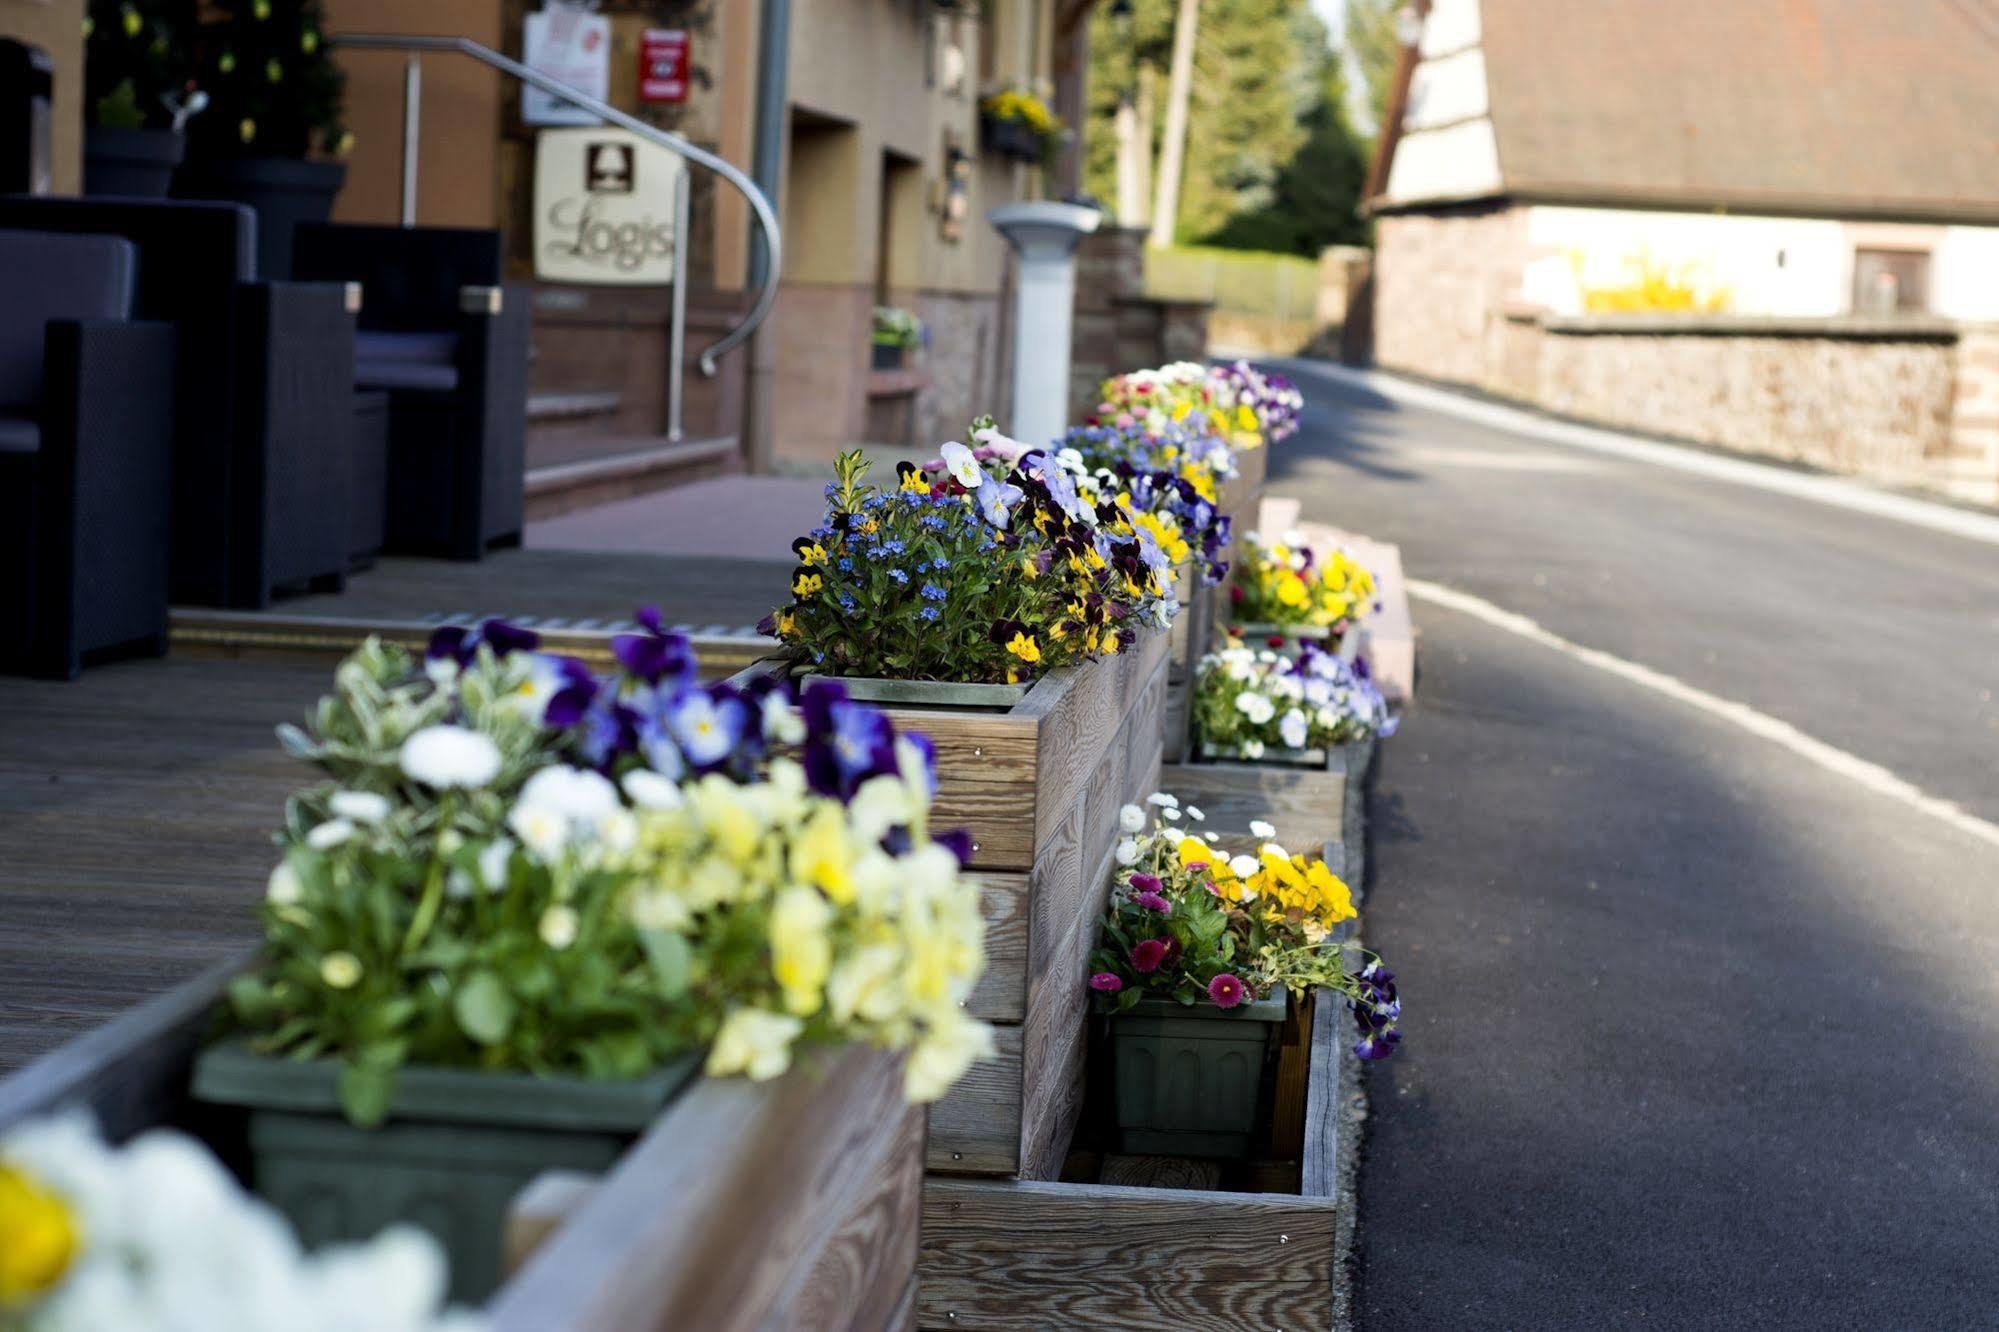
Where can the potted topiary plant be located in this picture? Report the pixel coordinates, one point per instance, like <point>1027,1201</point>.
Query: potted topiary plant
<point>1196,961</point>
<point>275,98</point>
<point>138,95</point>
<point>1017,123</point>
<point>897,332</point>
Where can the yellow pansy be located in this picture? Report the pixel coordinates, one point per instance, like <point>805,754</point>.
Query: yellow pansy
<point>39,1237</point>
<point>812,554</point>
<point>1023,646</point>
<point>801,950</point>
<point>1194,851</point>
<point>821,856</point>
<point>806,584</point>
<point>785,623</point>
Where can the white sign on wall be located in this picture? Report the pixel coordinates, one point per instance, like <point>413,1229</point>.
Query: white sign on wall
<point>570,45</point>
<point>604,206</point>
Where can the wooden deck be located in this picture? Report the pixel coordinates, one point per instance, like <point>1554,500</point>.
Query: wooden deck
<point>136,811</point>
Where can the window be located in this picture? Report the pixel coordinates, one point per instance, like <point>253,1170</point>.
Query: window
<point>1888,281</point>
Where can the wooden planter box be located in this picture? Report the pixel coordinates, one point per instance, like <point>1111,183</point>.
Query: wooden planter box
<point>1307,806</point>
<point>1242,493</point>
<point>1023,1256</point>
<point>1038,785</point>
<point>792,1203</point>
<point>1192,638</point>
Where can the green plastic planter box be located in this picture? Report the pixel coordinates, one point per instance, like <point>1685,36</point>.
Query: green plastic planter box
<point>457,1146</point>
<point>1190,1078</point>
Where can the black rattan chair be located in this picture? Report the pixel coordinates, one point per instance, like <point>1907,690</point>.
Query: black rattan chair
<point>86,443</point>
<point>449,345</point>
<point>263,431</point>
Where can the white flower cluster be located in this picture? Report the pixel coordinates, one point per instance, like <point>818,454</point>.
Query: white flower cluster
<point>1254,697</point>
<point>165,1240</point>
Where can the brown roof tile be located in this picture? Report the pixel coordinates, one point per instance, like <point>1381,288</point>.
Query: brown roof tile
<point>1843,107</point>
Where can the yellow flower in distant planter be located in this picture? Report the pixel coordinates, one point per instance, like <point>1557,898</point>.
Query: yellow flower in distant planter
<point>246,130</point>
<point>131,20</point>
<point>38,1238</point>
<point>785,623</point>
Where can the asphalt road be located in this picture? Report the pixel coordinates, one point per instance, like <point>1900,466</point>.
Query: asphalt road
<point>1698,1033</point>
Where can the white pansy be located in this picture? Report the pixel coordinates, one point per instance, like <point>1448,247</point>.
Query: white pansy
<point>450,757</point>
<point>359,806</point>
<point>1127,852</point>
<point>1255,707</point>
<point>443,671</point>
<point>1252,749</point>
<point>1292,729</point>
<point>541,830</point>
<point>1171,814</point>
<point>782,723</point>
<point>340,970</point>
<point>329,834</point>
<point>964,468</point>
<point>1194,813</point>
<point>575,793</point>
<point>1162,798</point>
<point>649,790</point>
<point>284,887</point>
<point>1244,866</point>
<point>1261,830</point>
<point>1131,819</point>
<point>753,1042</point>
<point>557,927</point>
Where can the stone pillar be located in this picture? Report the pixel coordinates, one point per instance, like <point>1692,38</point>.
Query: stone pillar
<point>1045,236</point>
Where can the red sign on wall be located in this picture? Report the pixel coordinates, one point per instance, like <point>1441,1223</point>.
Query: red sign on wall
<point>664,59</point>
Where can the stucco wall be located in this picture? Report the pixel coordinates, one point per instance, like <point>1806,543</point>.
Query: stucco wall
<point>57,27</point>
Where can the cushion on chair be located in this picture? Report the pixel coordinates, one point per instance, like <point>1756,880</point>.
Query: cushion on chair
<point>47,277</point>
<point>406,361</point>
<point>19,433</point>
<point>190,253</point>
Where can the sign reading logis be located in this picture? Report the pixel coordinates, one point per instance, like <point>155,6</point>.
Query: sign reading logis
<point>604,207</point>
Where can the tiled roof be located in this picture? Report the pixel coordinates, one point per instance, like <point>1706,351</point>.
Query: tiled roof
<point>1846,107</point>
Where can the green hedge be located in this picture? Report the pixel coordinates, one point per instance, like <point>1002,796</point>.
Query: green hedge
<point>1282,286</point>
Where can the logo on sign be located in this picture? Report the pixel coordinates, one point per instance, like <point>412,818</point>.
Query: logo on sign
<point>663,65</point>
<point>604,207</point>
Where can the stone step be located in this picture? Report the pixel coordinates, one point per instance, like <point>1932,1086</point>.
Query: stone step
<point>550,406</point>
<point>567,475</point>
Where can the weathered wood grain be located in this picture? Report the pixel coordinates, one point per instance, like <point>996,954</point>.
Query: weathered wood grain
<point>1008,1254</point>
<point>1162,1172</point>
<point>136,809</point>
<point>1001,994</point>
<point>1306,805</point>
<point>788,1204</point>
<point>975,1128</point>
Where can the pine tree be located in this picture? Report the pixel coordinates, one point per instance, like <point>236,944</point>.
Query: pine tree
<point>274,88</point>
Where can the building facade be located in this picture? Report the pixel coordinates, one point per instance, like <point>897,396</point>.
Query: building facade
<point>1770,227</point>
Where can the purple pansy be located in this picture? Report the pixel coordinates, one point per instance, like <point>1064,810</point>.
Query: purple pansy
<point>461,643</point>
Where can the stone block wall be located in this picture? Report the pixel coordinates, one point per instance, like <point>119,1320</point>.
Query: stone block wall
<point>965,364</point>
<point>1873,404</point>
<point>1118,327</point>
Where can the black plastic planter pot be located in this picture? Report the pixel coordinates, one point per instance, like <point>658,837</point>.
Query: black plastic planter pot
<point>457,1146</point>
<point>1190,1078</point>
<point>130,163</point>
<point>284,191</point>
<point>1010,138</point>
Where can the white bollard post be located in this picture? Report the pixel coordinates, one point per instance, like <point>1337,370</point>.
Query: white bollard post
<point>1045,236</point>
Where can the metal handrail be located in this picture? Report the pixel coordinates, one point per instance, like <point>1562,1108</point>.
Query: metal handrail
<point>759,204</point>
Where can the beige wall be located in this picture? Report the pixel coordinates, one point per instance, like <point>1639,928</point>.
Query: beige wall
<point>1443,282</point>
<point>57,27</point>
<point>458,152</point>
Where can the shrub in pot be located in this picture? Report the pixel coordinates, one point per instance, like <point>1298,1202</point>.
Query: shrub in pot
<point>138,93</point>
<point>896,333</point>
<point>529,905</point>
<point>1018,123</point>
<point>1196,958</point>
<point>275,99</point>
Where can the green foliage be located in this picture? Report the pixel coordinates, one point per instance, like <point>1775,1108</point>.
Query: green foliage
<point>1243,281</point>
<point>275,88</point>
<point>1272,162</point>
<point>136,54</point>
<point>1374,47</point>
